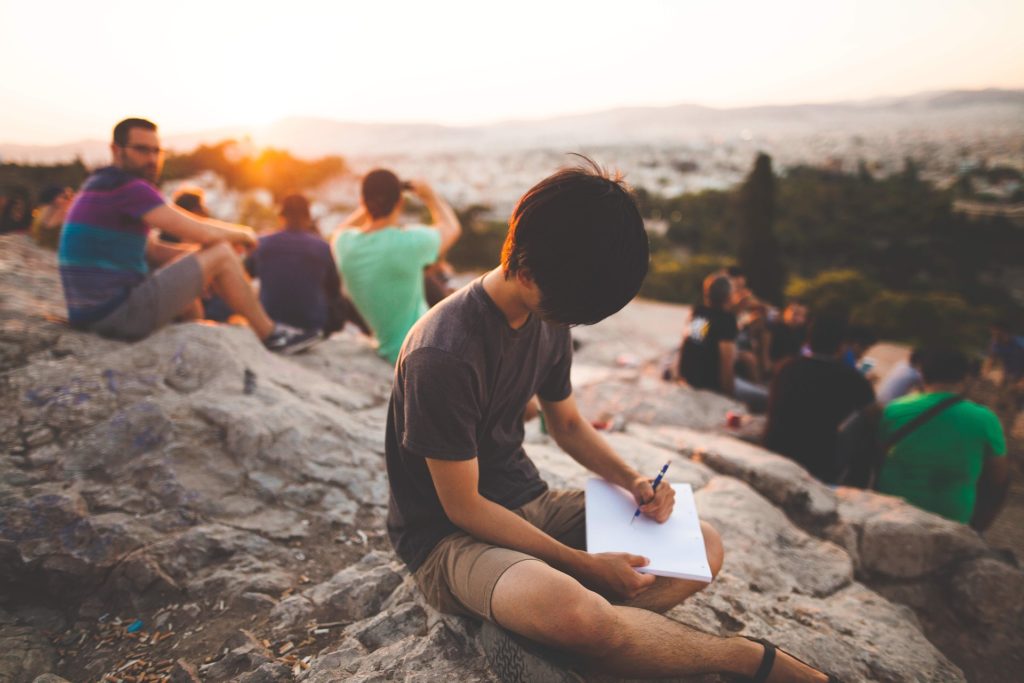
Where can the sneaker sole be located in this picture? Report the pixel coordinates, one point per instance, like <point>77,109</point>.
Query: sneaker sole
<point>301,346</point>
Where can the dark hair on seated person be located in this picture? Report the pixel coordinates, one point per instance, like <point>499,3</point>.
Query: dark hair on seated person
<point>944,366</point>
<point>296,213</point>
<point>125,127</point>
<point>717,290</point>
<point>381,191</point>
<point>579,235</point>
<point>826,334</point>
<point>862,335</point>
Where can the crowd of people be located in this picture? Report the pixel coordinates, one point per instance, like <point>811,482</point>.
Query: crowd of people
<point>480,531</point>
<point>132,262</point>
<point>918,438</point>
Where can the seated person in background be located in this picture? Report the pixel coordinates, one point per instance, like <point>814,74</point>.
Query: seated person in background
<point>17,212</point>
<point>479,530</point>
<point>382,263</point>
<point>810,397</point>
<point>193,200</point>
<point>857,341</point>
<point>299,284</point>
<point>106,243</point>
<point>752,361</point>
<point>789,334</point>
<point>708,354</point>
<point>49,217</point>
<point>1007,352</point>
<point>902,379</point>
<point>953,464</point>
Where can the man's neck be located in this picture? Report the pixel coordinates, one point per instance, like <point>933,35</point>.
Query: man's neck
<point>382,222</point>
<point>505,295</point>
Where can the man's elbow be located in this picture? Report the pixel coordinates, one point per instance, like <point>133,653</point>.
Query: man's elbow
<point>461,514</point>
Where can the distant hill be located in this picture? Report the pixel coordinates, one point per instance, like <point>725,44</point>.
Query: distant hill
<point>959,110</point>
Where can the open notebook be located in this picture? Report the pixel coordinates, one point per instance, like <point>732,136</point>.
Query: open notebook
<point>675,548</point>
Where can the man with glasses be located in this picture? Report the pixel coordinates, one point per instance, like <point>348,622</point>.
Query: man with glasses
<point>106,250</point>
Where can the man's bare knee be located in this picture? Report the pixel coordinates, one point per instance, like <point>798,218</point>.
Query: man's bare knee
<point>214,258</point>
<point>546,605</point>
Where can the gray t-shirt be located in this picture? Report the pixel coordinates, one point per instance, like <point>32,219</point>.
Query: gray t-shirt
<point>462,382</point>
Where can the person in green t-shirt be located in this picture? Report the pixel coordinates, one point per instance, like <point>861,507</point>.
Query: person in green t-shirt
<point>953,464</point>
<point>382,262</point>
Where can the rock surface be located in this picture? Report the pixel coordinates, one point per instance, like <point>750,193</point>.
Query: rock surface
<point>155,518</point>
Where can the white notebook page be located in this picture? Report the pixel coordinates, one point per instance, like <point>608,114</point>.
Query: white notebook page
<point>675,548</point>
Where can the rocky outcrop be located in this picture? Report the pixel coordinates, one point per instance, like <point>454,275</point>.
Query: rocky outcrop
<point>160,515</point>
<point>968,599</point>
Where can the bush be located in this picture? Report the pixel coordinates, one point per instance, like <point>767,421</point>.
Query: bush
<point>681,282</point>
<point>833,292</point>
<point>921,318</point>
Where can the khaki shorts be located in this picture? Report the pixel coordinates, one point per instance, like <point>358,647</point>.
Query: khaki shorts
<point>156,301</point>
<point>459,575</point>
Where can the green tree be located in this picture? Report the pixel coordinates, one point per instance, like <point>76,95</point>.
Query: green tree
<point>759,255</point>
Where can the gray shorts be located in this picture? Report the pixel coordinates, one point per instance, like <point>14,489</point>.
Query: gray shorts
<point>156,301</point>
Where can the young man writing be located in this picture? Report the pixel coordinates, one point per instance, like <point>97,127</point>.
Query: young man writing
<point>106,249</point>
<point>469,513</point>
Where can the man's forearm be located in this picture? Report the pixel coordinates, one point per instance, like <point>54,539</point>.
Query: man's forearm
<point>581,441</point>
<point>492,523</point>
<point>444,219</point>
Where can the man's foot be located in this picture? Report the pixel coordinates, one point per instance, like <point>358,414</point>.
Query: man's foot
<point>290,340</point>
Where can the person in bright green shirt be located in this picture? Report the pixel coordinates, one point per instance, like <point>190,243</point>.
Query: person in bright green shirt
<point>953,464</point>
<point>382,262</point>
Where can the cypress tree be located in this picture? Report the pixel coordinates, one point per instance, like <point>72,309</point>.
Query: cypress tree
<point>759,254</point>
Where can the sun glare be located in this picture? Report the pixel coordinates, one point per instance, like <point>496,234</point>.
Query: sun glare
<point>205,65</point>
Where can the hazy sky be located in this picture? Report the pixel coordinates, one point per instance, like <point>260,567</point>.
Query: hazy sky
<point>71,70</point>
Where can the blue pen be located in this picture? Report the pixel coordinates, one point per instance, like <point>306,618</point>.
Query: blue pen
<point>654,487</point>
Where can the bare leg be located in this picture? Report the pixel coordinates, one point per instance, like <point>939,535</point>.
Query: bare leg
<point>193,312</point>
<point>223,270</point>
<point>541,603</point>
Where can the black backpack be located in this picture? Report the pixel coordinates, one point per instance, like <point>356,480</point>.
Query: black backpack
<point>860,451</point>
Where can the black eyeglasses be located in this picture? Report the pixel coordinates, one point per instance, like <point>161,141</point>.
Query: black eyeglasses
<point>145,149</point>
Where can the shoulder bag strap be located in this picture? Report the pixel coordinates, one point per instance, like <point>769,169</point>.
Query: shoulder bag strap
<point>904,431</point>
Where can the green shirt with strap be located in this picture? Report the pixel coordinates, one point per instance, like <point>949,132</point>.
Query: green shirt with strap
<point>937,466</point>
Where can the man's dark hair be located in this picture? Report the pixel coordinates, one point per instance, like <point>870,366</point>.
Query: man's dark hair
<point>122,129</point>
<point>862,335</point>
<point>1001,325</point>
<point>191,201</point>
<point>944,366</point>
<point>296,213</point>
<point>50,193</point>
<point>735,271</point>
<point>717,290</point>
<point>579,236</point>
<point>381,191</point>
<point>826,335</point>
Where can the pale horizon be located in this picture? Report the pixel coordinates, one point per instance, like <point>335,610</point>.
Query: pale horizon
<point>194,67</point>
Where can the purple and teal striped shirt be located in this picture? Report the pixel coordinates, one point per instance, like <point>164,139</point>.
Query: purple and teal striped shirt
<point>103,244</point>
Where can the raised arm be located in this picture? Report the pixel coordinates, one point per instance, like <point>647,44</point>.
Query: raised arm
<point>354,219</point>
<point>191,228</point>
<point>577,437</point>
<point>456,482</point>
<point>441,214</point>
